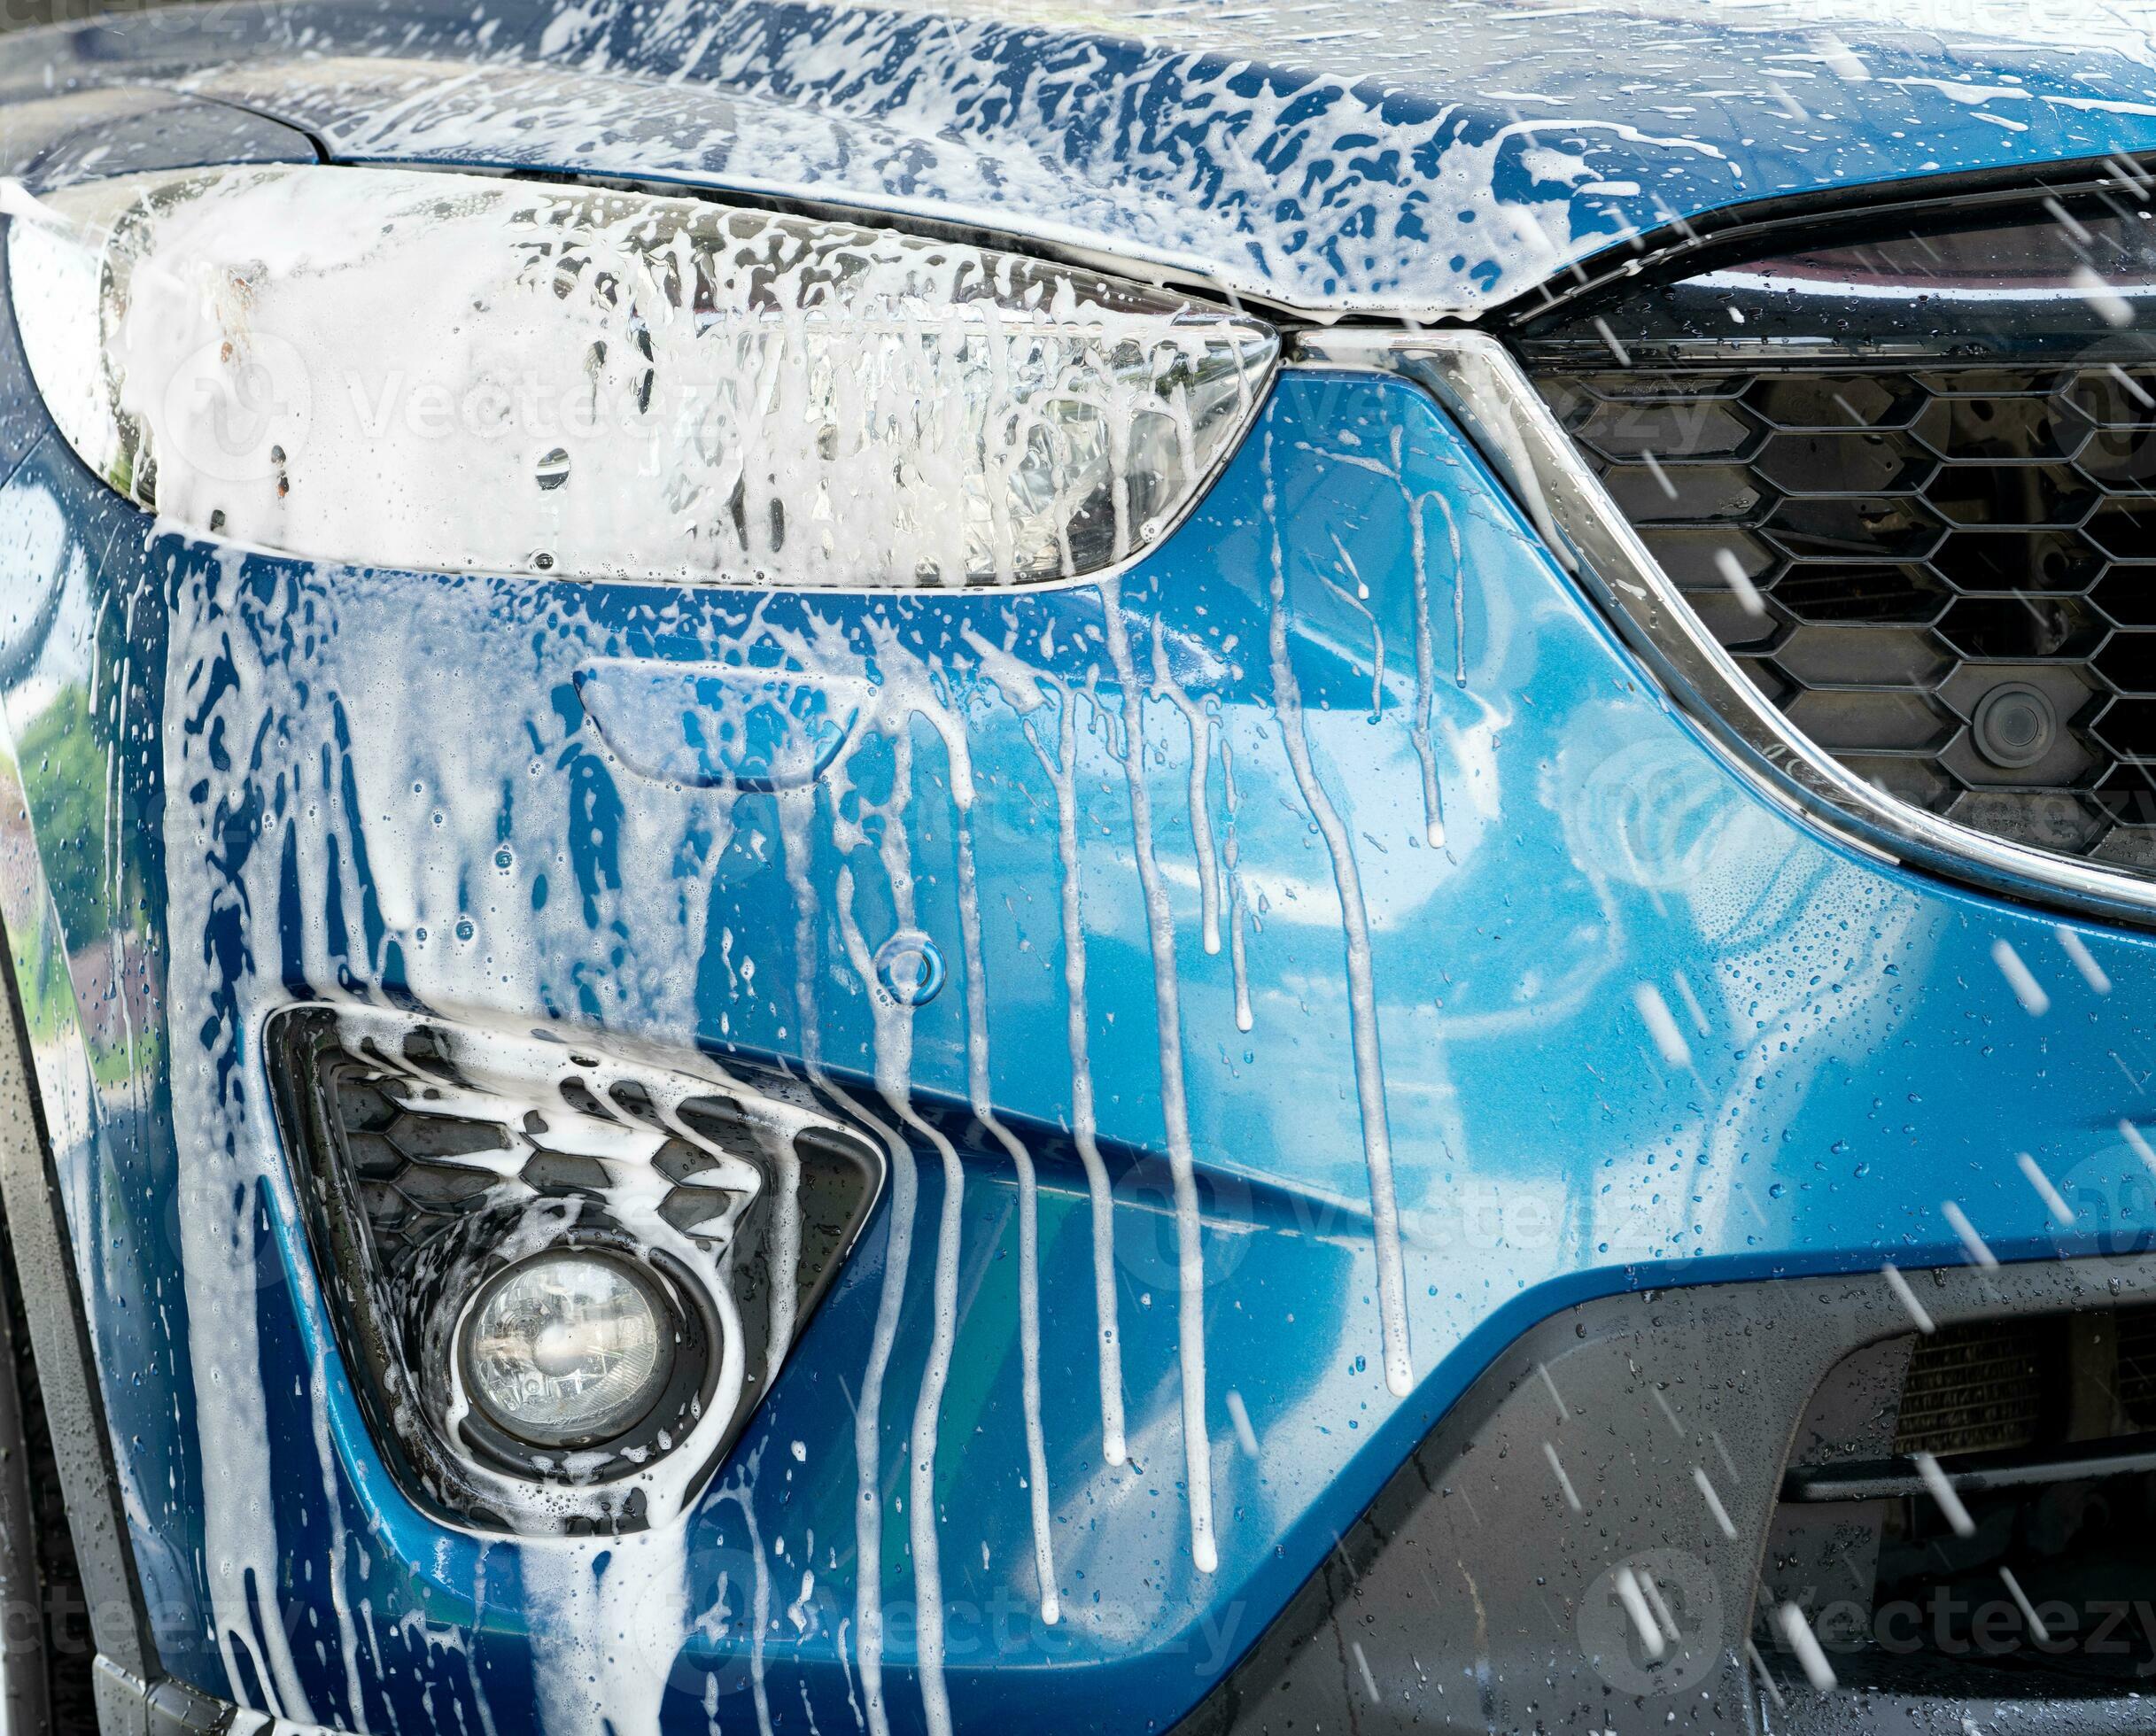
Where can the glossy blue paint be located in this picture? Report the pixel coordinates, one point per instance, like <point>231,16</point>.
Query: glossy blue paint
<point>1334,155</point>
<point>1842,1054</point>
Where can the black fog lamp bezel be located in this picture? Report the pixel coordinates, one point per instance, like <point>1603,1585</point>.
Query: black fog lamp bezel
<point>396,1332</point>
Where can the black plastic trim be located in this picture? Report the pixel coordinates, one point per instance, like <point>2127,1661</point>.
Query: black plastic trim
<point>25,1701</point>
<point>1690,245</point>
<point>37,1233</point>
<point>1888,1479</point>
<point>1477,1592</point>
<point>128,1705</point>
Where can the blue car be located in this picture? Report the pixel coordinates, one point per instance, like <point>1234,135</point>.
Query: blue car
<point>959,867</point>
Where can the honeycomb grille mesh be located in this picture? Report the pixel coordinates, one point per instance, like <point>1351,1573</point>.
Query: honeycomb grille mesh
<point>1943,576</point>
<point>417,1174</point>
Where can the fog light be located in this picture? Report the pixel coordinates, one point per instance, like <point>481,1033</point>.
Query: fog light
<point>568,1349</point>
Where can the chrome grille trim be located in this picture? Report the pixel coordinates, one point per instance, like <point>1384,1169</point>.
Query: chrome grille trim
<point>1476,381</point>
<point>1940,572</point>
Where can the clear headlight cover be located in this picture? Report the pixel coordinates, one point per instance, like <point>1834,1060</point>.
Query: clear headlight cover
<point>448,371</point>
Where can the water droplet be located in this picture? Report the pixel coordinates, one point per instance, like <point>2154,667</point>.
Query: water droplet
<point>553,468</point>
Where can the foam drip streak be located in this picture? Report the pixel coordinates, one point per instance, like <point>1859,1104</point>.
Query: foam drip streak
<point>894,1038</point>
<point>796,818</point>
<point>1362,989</point>
<point>920,1464</point>
<point>1237,955</point>
<point>1165,686</point>
<point>894,1076</point>
<point>1028,1220</point>
<point>868,1413</point>
<point>759,1605</point>
<point>1063,775</point>
<point>1426,652</point>
<point>1168,1008</point>
<point>340,1598</point>
<point>205,675</point>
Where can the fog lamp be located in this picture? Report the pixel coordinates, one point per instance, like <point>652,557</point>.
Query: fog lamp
<point>567,1349</point>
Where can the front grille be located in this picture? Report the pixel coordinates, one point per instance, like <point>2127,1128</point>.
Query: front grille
<point>1945,575</point>
<point>1901,462</point>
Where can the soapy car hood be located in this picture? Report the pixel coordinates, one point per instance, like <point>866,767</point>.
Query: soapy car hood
<point>1334,157</point>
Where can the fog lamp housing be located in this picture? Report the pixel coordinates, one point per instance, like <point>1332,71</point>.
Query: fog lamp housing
<point>563,1278</point>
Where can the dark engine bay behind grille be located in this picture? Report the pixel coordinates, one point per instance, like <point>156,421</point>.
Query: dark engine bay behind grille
<point>1946,577</point>
<point>1904,473</point>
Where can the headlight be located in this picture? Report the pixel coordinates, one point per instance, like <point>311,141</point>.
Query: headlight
<point>447,371</point>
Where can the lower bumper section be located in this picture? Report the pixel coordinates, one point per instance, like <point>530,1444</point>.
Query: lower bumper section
<point>1596,1539</point>
<point>128,1705</point>
<point>1610,1532</point>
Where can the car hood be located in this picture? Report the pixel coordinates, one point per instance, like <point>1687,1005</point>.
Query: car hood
<point>1333,157</point>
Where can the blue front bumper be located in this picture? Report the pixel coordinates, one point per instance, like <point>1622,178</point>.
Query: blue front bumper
<point>1631,1025</point>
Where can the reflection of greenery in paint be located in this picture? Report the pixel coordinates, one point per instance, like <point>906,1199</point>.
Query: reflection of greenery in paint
<point>60,782</point>
<point>48,996</point>
<point>64,780</point>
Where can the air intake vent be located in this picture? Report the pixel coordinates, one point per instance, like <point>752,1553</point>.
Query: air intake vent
<point>433,1161</point>
<point>1964,1511</point>
<point>1973,1388</point>
<point>1907,484</point>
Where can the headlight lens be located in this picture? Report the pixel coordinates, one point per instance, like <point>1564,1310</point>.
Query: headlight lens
<point>567,1349</point>
<point>450,371</point>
